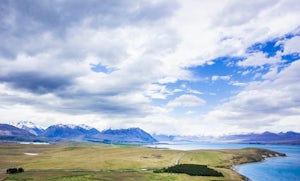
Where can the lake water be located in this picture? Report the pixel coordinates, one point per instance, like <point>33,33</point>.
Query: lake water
<point>275,169</point>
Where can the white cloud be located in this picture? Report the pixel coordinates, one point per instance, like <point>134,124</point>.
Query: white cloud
<point>239,12</point>
<point>192,91</point>
<point>246,72</point>
<point>258,59</point>
<point>292,45</point>
<point>263,104</point>
<point>157,91</point>
<point>186,101</point>
<point>271,74</point>
<point>217,77</point>
<point>236,83</point>
<point>189,112</point>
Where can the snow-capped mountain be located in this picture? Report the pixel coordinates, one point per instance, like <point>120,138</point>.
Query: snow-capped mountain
<point>12,133</point>
<point>86,127</point>
<point>74,132</point>
<point>84,132</point>
<point>28,131</point>
<point>130,135</point>
<point>30,127</point>
<point>9,130</point>
<point>67,131</point>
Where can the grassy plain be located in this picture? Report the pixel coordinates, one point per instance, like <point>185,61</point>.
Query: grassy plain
<point>106,162</point>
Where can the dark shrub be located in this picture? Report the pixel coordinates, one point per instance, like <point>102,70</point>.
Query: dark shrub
<point>20,170</point>
<point>12,170</point>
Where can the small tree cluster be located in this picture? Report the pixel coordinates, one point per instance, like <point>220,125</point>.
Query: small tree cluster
<point>14,170</point>
<point>193,170</point>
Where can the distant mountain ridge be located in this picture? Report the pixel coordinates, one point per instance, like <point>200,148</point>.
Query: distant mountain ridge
<point>29,131</point>
<point>289,137</point>
<point>124,135</point>
<point>61,131</point>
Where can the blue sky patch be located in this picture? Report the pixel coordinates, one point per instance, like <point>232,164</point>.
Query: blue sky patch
<point>100,68</point>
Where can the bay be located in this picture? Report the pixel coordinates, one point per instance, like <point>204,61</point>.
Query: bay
<point>275,169</point>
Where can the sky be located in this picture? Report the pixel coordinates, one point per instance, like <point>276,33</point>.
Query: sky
<point>209,67</point>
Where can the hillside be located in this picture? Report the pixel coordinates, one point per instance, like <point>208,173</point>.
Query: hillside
<point>12,133</point>
<point>30,127</point>
<point>61,131</point>
<point>133,135</point>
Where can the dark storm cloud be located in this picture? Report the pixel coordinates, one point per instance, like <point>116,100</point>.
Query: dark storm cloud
<point>30,16</point>
<point>36,82</point>
<point>92,103</point>
<point>22,21</point>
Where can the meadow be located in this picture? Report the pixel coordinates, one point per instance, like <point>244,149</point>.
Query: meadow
<point>111,162</point>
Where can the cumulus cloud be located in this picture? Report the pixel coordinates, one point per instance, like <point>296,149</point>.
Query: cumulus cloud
<point>258,59</point>
<point>292,45</point>
<point>217,77</point>
<point>186,101</point>
<point>263,103</point>
<point>238,13</point>
<point>59,47</point>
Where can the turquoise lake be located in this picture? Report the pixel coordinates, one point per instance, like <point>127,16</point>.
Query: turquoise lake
<point>273,169</point>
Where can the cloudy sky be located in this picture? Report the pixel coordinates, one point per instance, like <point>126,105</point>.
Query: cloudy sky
<point>173,67</point>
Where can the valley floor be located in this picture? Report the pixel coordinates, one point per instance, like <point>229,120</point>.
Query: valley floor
<point>110,162</point>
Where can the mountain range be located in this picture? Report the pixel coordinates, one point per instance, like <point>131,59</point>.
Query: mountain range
<point>28,131</point>
<point>289,137</point>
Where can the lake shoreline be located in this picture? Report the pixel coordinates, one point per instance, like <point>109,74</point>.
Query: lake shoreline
<point>235,168</point>
<point>263,155</point>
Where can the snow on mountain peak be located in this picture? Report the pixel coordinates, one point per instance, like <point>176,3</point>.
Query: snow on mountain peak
<point>27,124</point>
<point>84,126</point>
<point>72,126</point>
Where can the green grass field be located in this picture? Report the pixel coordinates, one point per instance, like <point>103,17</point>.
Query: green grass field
<point>106,162</point>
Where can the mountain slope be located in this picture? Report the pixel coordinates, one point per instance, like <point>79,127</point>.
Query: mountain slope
<point>12,133</point>
<point>61,131</point>
<point>83,132</point>
<point>30,127</point>
<point>131,135</point>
